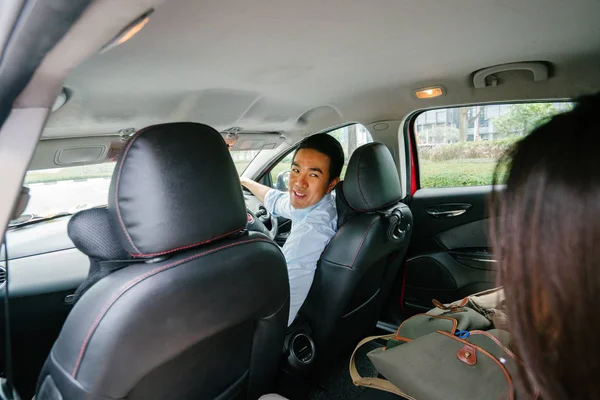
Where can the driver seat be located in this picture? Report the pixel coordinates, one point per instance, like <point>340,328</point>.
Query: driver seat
<point>202,312</point>
<point>356,271</point>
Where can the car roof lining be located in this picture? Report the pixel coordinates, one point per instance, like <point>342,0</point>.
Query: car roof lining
<point>266,65</point>
<point>303,67</point>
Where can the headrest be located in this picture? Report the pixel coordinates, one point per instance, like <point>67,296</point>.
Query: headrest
<point>371,182</point>
<point>344,211</point>
<point>91,233</point>
<point>175,187</point>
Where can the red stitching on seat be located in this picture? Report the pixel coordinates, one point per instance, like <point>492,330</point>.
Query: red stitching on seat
<point>134,282</point>
<point>139,253</point>
<point>189,245</point>
<point>362,241</point>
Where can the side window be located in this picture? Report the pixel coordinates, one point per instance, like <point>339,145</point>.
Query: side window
<point>280,173</point>
<point>351,137</point>
<point>461,146</point>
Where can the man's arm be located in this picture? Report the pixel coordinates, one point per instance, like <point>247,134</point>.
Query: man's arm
<point>275,201</point>
<point>257,189</point>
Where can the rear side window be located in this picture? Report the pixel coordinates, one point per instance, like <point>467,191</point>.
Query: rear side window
<point>460,146</point>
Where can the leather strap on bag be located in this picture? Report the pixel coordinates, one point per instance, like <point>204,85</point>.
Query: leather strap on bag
<point>375,383</point>
<point>452,307</point>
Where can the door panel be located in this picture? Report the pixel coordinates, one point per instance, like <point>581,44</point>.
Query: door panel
<point>471,234</point>
<point>449,256</point>
<point>453,151</point>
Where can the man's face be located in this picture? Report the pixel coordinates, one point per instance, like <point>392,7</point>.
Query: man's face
<point>309,178</point>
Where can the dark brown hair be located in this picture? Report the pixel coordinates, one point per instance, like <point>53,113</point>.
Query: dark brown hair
<point>545,232</point>
<point>328,145</point>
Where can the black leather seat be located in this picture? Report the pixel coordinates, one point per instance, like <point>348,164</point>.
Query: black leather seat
<point>203,315</point>
<point>356,271</point>
<point>90,232</point>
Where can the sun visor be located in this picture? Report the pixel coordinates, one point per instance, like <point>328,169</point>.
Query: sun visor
<point>80,155</point>
<point>57,153</point>
<point>246,141</point>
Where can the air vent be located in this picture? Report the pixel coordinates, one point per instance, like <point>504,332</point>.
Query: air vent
<point>2,276</point>
<point>303,348</point>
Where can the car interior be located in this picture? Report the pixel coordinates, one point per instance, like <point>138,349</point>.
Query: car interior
<point>140,267</point>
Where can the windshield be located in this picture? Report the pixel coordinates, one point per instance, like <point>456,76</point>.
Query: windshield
<point>67,189</point>
<point>72,189</point>
<point>243,158</point>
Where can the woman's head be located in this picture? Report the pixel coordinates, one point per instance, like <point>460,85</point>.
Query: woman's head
<point>546,235</point>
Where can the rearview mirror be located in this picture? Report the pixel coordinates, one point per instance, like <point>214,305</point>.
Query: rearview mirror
<point>283,180</point>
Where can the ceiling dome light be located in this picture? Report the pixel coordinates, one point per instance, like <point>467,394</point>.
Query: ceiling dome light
<point>129,31</point>
<point>429,92</point>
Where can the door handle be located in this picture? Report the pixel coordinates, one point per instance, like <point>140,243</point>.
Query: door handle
<point>446,214</point>
<point>448,210</point>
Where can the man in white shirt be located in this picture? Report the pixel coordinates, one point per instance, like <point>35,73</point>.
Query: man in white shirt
<point>310,204</point>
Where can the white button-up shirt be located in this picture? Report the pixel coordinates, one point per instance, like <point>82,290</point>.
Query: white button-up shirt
<point>312,229</point>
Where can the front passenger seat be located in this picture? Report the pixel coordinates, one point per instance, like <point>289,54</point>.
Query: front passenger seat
<point>356,270</point>
<point>203,313</point>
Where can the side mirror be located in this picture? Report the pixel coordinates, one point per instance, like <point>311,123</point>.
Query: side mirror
<point>21,219</point>
<point>283,180</point>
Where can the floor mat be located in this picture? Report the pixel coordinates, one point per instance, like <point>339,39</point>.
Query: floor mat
<point>339,386</point>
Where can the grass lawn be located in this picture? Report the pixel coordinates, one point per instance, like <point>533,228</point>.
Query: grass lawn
<point>439,174</point>
<point>456,173</point>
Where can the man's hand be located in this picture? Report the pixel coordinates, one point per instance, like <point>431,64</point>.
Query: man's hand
<point>260,191</point>
<point>245,181</point>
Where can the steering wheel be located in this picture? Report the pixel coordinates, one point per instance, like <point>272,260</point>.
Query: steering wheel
<point>262,222</point>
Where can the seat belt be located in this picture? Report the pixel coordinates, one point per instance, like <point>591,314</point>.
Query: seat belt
<point>7,389</point>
